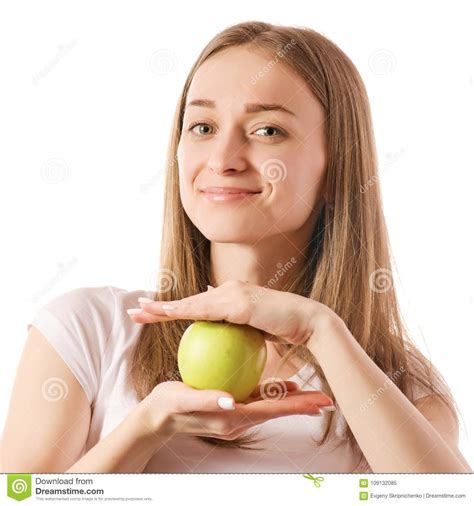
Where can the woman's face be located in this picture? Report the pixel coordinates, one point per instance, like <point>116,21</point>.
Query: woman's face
<point>229,139</point>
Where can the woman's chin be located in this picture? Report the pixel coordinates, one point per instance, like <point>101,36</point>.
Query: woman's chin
<point>232,235</point>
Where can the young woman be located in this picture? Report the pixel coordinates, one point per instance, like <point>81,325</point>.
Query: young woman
<point>270,221</point>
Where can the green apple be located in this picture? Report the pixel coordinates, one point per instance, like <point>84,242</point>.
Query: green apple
<point>222,356</point>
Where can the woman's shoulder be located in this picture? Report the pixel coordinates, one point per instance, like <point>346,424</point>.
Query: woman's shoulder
<point>100,312</point>
<point>124,297</point>
<point>89,328</point>
<point>101,301</point>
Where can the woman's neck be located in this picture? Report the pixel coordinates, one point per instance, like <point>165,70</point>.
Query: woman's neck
<point>272,263</point>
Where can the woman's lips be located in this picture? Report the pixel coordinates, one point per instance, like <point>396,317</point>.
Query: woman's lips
<point>227,196</point>
<point>216,194</point>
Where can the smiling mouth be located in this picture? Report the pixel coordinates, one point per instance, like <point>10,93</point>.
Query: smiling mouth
<point>228,196</point>
<point>228,190</point>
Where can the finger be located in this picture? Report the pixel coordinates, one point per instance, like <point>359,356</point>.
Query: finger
<point>156,307</point>
<point>202,400</point>
<point>276,395</point>
<point>325,401</point>
<point>180,310</point>
<point>304,403</point>
<point>155,311</point>
<point>145,317</point>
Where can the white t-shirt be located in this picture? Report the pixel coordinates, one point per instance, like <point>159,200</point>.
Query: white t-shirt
<point>91,330</point>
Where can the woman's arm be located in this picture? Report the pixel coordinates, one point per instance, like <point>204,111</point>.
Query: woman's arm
<point>391,432</point>
<point>127,449</point>
<point>49,419</point>
<point>49,415</point>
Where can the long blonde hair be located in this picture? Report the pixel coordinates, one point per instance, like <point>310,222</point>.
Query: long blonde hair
<point>348,257</point>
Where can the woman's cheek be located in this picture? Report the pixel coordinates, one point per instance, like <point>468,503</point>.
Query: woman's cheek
<point>289,210</point>
<point>186,192</point>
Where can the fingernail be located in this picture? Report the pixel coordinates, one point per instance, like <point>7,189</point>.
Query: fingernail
<point>328,408</point>
<point>226,403</point>
<point>209,287</point>
<point>146,300</point>
<point>135,310</point>
<point>168,307</point>
<point>317,414</point>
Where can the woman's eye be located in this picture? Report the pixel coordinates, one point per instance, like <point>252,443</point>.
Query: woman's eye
<point>204,128</point>
<point>271,131</point>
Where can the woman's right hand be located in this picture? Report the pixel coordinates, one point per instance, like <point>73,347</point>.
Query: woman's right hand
<point>176,408</point>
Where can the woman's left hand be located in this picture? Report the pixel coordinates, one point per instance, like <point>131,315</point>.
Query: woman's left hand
<point>283,315</point>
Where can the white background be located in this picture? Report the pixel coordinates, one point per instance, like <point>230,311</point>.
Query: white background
<point>85,116</point>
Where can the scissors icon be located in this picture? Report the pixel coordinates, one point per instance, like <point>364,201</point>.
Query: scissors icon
<point>316,479</point>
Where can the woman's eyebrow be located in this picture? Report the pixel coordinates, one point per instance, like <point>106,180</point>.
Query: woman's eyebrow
<point>249,108</point>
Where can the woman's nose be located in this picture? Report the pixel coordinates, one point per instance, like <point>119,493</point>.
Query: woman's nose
<point>228,154</point>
